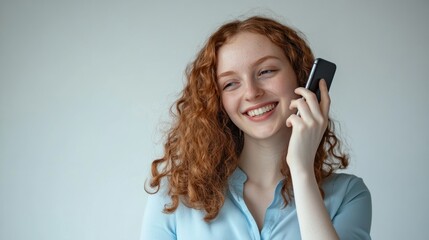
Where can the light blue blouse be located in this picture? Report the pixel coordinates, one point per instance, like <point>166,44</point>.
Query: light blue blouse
<point>347,200</point>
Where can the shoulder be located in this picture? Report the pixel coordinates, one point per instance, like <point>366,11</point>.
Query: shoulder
<point>344,190</point>
<point>157,223</point>
<point>344,184</point>
<point>156,202</point>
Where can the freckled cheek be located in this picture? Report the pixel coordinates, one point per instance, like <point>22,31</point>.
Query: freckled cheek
<point>288,96</point>
<point>288,89</point>
<point>229,105</point>
<point>287,92</point>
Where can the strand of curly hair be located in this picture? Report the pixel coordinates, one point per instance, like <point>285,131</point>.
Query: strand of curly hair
<point>203,145</point>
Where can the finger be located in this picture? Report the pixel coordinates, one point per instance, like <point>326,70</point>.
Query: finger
<point>325,99</point>
<point>311,100</point>
<point>301,105</point>
<point>293,120</point>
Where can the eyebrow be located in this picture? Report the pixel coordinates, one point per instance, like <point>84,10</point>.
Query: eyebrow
<point>259,61</point>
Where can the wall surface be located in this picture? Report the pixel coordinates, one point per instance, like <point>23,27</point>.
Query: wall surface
<point>85,88</point>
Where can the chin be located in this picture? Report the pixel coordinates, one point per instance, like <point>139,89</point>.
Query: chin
<point>266,134</point>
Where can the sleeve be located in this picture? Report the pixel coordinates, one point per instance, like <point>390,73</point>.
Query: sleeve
<point>157,224</point>
<point>353,219</point>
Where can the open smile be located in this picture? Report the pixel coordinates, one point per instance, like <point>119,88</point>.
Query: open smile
<point>261,110</point>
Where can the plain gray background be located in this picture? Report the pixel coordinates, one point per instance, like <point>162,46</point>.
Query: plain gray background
<point>85,88</point>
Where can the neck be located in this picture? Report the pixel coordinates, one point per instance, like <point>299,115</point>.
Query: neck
<point>261,160</point>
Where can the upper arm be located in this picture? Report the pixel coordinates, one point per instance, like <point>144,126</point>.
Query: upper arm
<point>353,219</point>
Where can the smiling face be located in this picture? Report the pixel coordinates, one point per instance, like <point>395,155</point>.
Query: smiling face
<point>257,84</point>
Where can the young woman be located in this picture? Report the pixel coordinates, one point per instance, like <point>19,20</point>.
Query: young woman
<point>239,163</point>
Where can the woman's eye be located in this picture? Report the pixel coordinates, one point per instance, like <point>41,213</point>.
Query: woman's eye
<point>264,72</point>
<point>230,85</point>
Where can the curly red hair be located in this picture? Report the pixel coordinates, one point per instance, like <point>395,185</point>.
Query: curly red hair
<point>202,147</point>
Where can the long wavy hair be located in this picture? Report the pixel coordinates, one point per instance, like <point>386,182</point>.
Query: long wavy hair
<point>203,145</point>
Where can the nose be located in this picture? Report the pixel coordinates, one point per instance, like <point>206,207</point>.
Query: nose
<point>253,91</point>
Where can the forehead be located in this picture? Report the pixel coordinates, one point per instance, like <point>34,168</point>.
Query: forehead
<point>244,49</point>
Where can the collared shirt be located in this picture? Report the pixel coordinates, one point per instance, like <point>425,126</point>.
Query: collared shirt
<point>347,200</point>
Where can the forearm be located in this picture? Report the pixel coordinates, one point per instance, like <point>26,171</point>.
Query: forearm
<point>314,220</point>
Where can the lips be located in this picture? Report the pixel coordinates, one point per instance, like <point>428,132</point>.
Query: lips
<point>255,112</point>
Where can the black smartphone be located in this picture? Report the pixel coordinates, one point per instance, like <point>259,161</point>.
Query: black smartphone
<point>321,69</point>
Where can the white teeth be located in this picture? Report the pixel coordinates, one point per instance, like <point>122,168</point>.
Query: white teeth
<point>260,111</point>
